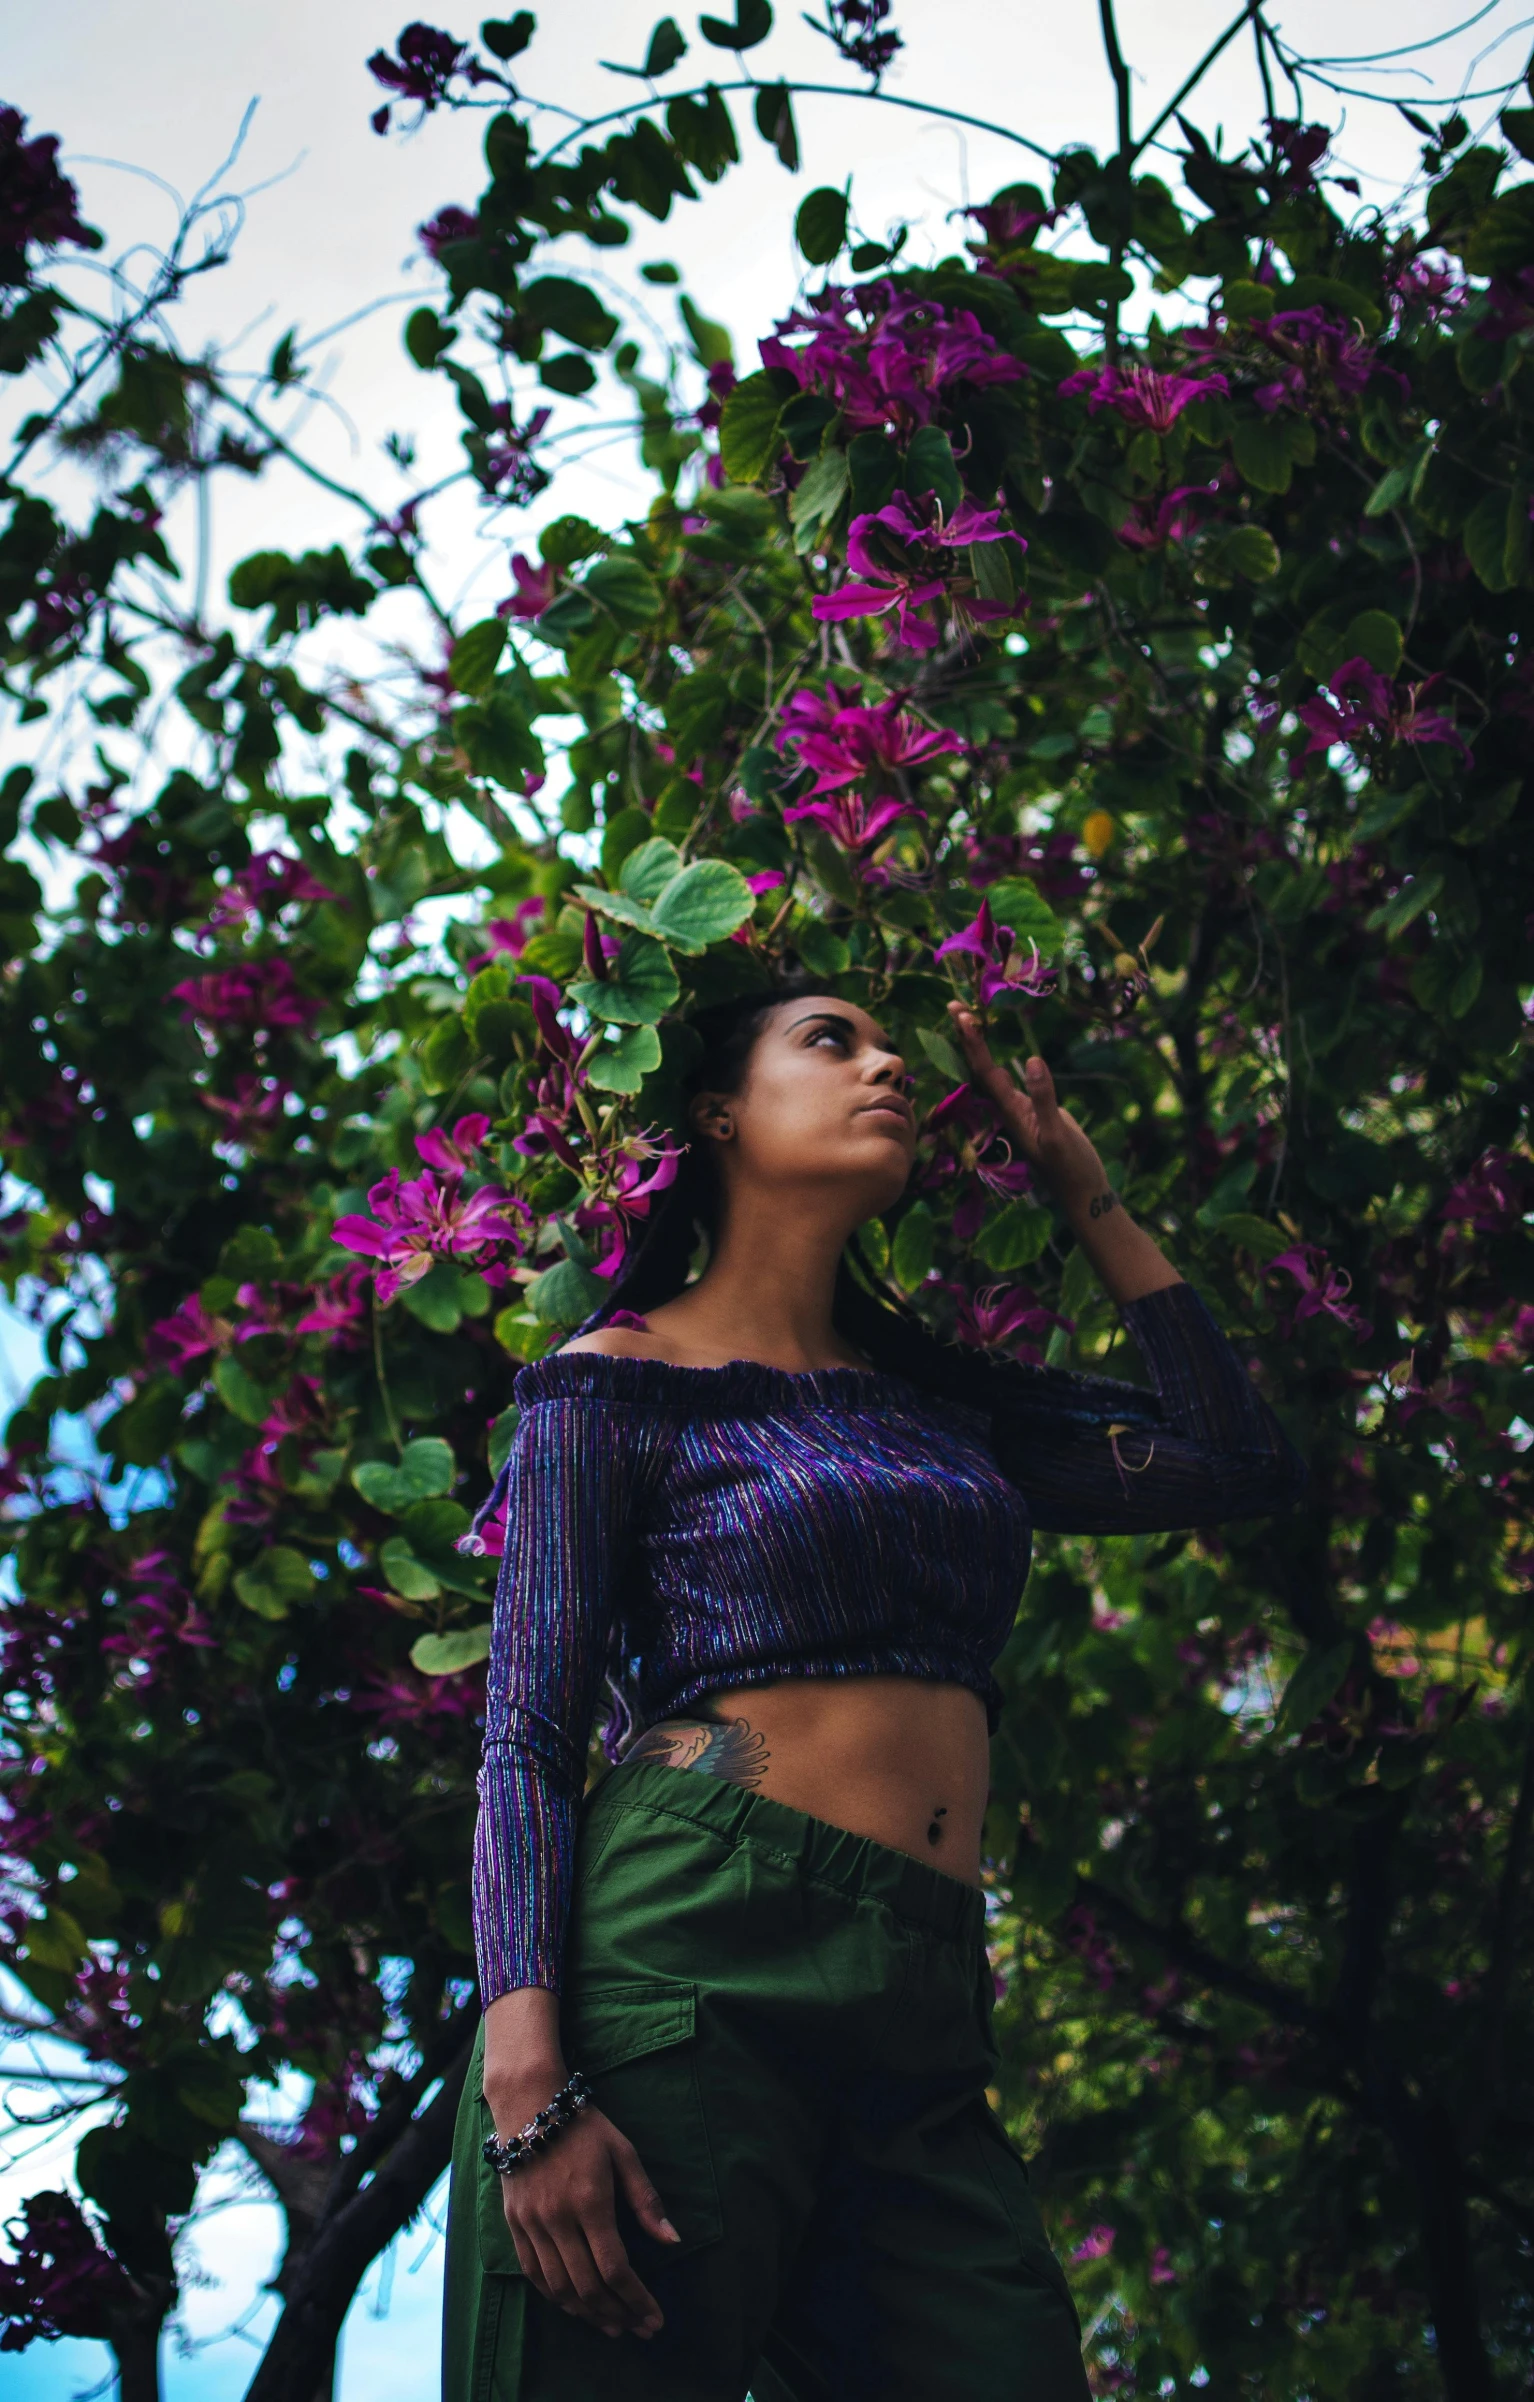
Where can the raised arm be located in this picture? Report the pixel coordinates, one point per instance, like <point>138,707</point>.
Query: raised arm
<point>1094,1456</point>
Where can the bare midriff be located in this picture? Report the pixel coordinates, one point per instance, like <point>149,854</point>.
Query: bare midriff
<point>904,1762</point>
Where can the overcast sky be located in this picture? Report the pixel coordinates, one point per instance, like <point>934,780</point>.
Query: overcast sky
<point>149,93</point>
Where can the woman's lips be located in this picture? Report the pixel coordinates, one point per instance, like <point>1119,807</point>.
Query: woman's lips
<point>898,1112</point>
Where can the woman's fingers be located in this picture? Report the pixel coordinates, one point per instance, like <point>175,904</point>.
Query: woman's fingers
<point>640,2194</point>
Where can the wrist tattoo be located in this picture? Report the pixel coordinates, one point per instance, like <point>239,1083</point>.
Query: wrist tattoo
<point>1101,1203</point>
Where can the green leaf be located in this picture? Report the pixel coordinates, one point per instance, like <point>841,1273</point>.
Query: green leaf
<point>475,656</point>
<point>817,498</point>
<point>619,906</point>
<point>1016,901</point>
<point>873,1242</point>
<point>569,309</point>
<point>279,1578</point>
<point>1486,538</point>
<point>1374,635</point>
<point>1313,1684</point>
<point>567,372</point>
<point>1518,126</point>
<point>820,949</point>
<point>649,868</point>
<point>912,1251</point>
<point>445,1655</point>
<point>1249,553</point>
<point>239,1392</point>
<point>426,337</point>
<point>640,986</point>
<point>702,905</point>
<point>1263,455</point>
<point>748,429</point>
<point>508,37</point>
<point>820,228</point>
<point>623,586</point>
<point>501,1434</point>
<point>930,466</point>
<point>990,563</point>
<point>565,1294</point>
<point>753,23</point>
<point>1248,1233</point>
<point>437,1301</point>
<point>1417,894</point>
<point>704,132</point>
<point>1015,1237</point>
<point>774,114</point>
<point>622,1067</point>
<point>426,1466</point>
<point>625,832</point>
<point>942,1054</point>
<point>405,1572</point>
<point>568,539</point>
<point>1503,241</point>
<point>711,344</point>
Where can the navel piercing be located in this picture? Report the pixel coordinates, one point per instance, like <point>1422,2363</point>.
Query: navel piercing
<point>934,1831</point>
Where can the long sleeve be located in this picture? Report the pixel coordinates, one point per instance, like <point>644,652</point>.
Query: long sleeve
<point>574,1479</point>
<point>1094,1456</point>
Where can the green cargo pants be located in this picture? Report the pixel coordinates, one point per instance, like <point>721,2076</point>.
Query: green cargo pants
<point>792,2026</point>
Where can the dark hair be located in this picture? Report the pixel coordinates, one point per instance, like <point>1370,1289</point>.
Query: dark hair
<point>889,1334</point>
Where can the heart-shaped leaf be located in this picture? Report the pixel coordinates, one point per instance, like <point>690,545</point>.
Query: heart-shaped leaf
<point>649,868</point>
<point>566,1294</point>
<point>641,985</point>
<point>748,428</point>
<point>622,1067</point>
<point>272,1584</point>
<point>702,905</point>
<point>427,1466</point>
<point>405,1572</point>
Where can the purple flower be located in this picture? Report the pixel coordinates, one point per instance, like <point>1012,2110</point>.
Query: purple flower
<point>848,745</point>
<point>38,204</point>
<point>416,1223</point>
<point>1491,1197</point>
<point>975,1151</point>
<point>335,1309</point>
<point>449,225</point>
<point>510,936</point>
<point>427,62</point>
<point>853,25</point>
<point>906,552</point>
<point>557,1078</point>
<point>631,1177</point>
<point>1312,345</point>
<point>1096,2244</point>
<point>61,2281</point>
<point>852,822</point>
<point>1156,523</point>
<point>535,588</point>
<point>452,1157</point>
<point>265,886</point>
<point>888,359</point>
<point>1000,972</point>
<point>506,469</point>
<point>250,1109</point>
<point>1004,1317</point>
<point>260,994</point>
<point>1147,401</point>
<point>1015,218</point>
<point>1322,1289</point>
<point>1297,150</point>
<point>1360,707</point>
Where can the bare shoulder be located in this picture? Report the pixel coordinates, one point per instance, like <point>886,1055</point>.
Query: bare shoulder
<point>615,1342</point>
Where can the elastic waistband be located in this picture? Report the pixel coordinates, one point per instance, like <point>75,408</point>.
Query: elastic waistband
<point>855,1865</point>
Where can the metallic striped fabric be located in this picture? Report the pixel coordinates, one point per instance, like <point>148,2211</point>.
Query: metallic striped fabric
<point>690,1530</point>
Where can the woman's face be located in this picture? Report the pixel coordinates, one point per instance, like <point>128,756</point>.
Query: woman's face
<point>823,1102</point>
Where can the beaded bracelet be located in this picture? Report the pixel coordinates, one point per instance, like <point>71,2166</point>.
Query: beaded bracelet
<point>540,2130</point>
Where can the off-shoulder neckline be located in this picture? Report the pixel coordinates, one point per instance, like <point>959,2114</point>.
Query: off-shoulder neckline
<point>622,1377</point>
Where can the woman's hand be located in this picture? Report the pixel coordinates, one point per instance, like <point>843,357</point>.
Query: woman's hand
<point>560,2209</point>
<point>1126,1259</point>
<point>1047,1135</point>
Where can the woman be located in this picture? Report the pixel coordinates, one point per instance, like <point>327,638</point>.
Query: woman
<point>793,1529</point>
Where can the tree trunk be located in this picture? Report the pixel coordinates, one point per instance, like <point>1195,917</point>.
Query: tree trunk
<point>136,2349</point>
<point>319,2283</point>
<point>1424,2139</point>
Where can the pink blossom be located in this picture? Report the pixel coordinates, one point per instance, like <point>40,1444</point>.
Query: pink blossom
<point>1096,2244</point>
<point>452,1157</point>
<point>1491,1197</point>
<point>1004,1317</point>
<point>1322,1288</point>
<point>768,879</point>
<point>1011,219</point>
<point>254,1103</point>
<point>265,885</point>
<point>1000,973</point>
<point>850,743</point>
<point>259,993</point>
<point>1361,706</point>
<point>450,224</point>
<point>631,1177</point>
<point>852,822</point>
<point>1312,345</point>
<point>535,588</point>
<point>1161,2269</point>
<point>416,1223</point>
<point>505,467</point>
<point>336,1309</point>
<point>510,936</point>
<point>907,553</point>
<point>888,359</point>
<point>1147,401</point>
<point>1174,519</point>
<point>976,1152</point>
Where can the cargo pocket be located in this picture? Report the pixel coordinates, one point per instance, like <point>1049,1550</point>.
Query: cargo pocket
<point>636,2046</point>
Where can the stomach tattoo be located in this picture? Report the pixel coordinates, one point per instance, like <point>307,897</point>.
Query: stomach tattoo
<point>727,1748</point>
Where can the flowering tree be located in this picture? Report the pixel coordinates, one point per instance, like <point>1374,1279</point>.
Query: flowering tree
<point>1168,697</point>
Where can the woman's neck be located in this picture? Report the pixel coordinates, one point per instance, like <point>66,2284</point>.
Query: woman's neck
<point>768,1290</point>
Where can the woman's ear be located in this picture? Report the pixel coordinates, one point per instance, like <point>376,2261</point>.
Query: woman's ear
<point>710,1116</point>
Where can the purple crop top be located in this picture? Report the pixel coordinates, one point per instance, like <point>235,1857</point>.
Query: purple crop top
<point>687,1530</point>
